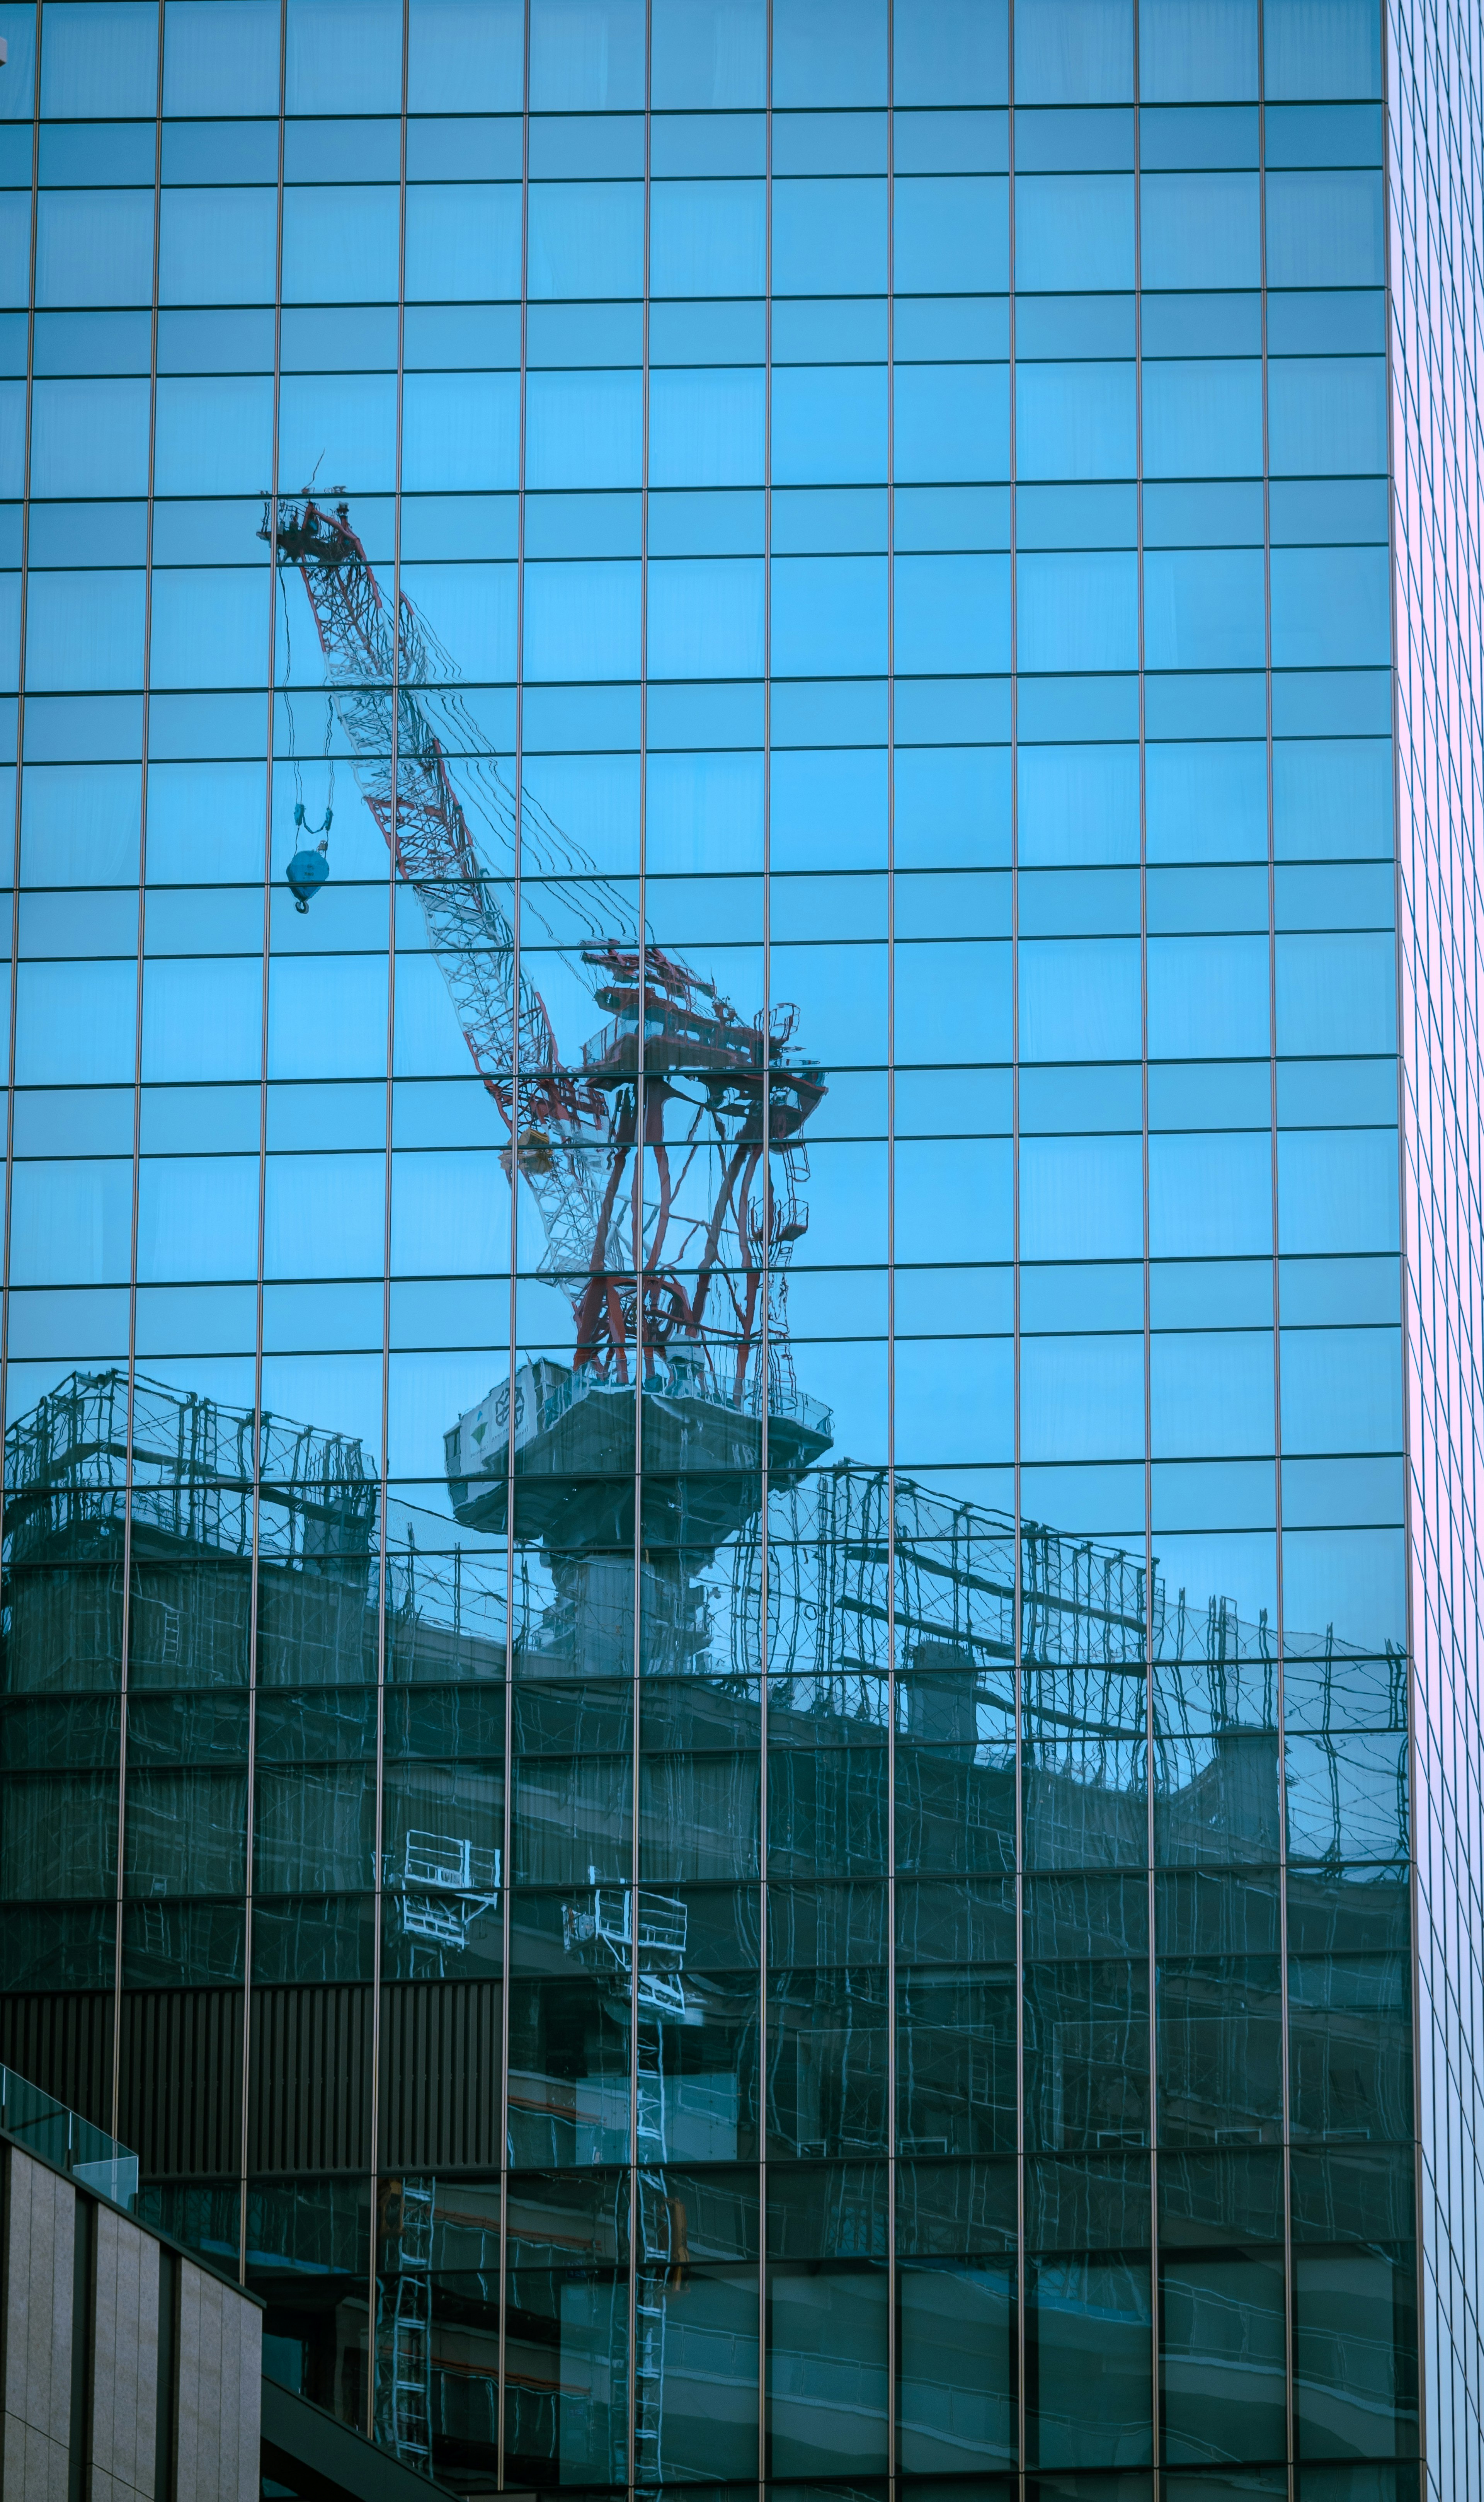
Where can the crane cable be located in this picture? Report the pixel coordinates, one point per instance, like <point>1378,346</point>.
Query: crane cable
<point>309,869</point>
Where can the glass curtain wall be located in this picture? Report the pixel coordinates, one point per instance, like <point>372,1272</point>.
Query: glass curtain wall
<point>1436,325</point>
<point>704,1726</point>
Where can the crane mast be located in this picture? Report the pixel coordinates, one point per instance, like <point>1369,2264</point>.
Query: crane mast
<point>665,1164</point>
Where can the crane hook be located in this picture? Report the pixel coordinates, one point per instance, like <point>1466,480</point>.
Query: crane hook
<point>308,869</point>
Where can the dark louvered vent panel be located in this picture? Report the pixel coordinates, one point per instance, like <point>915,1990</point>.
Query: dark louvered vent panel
<point>63,2040</point>
<point>311,2079</point>
<point>180,2081</point>
<point>440,2076</point>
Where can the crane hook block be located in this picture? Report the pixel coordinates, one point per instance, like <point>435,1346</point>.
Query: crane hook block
<point>306,874</point>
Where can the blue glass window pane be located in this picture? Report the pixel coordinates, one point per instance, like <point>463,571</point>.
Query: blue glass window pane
<point>1211,1393</point>
<point>1081,1198</point>
<point>1331,607</point>
<point>470,612</point>
<point>1082,1399</point>
<point>197,1218</point>
<point>951,421</point>
<point>94,248</point>
<point>70,1223</point>
<point>830,615</point>
<point>15,249</point>
<point>829,236</point>
<point>830,52</point>
<point>952,1006</point>
<point>1322,48</point>
<point>1326,414</point>
<point>1207,997</point>
<point>327,1016</point>
<point>464,240</point>
<point>953,613</point>
<point>587,239</point>
<point>951,234</point>
<point>17,92</point>
<point>90,438</point>
<point>709,54</point>
<point>1354,1579</point>
<point>828,2372</point>
<point>459,431</point>
<point>1337,1191</point>
<point>582,620</point>
<point>584,429</point>
<point>1200,230</point>
<point>324,1216</point>
<point>1074,52</point>
<point>1077,612</point>
<point>218,246</point>
<point>1203,608</point>
<point>1325,229</point>
<point>1223,2366</point>
<point>1197,52</point>
<point>830,809</point>
<point>219,60</point>
<point>340,244</point>
<point>85,630</point>
<point>209,628</point>
<point>829,422</point>
<point>956,2368</point>
<point>1332,799</point>
<point>708,238</point>
<point>1074,231</point>
<point>707,428</point>
<point>1203,420</point>
<point>1075,420</point>
<point>1078,804</point>
<point>344,57</point>
<point>463,56</point>
<point>1079,998</point>
<point>950,48</point>
<point>587,56</point>
<point>1206,802</point>
<point>1338,991</point>
<point>1346,1797</point>
<point>356,412</point>
<point>952,807</point>
<point>705,617</point>
<point>99,61</point>
<point>1341,1389</point>
<point>75,1024</point>
<point>1210,1196</point>
<point>205,1013</point>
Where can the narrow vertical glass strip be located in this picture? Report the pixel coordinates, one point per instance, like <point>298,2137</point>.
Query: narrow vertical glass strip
<point>1272,1063</point>
<point>1151,1763</point>
<point>1015,1294</point>
<point>893,2306</point>
<point>1429,2374</point>
<point>374,2407</point>
<point>20,722</point>
<point>644,2386</point>
<point>767,998</point>
<point>270,520</point>
<point>507,1834</point>
<point>139,1008</point>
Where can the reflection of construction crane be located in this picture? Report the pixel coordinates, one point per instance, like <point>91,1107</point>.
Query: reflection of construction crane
<point>442,1887</point>
<point>636,1938</point>
<point>600,1933</point>
<point>670,1209</point>
<point>404,2322</point>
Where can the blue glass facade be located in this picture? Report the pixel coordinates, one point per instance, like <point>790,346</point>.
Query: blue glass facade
<point>715,1519</point>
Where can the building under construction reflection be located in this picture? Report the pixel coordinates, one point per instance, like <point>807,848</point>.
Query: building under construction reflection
<point>618,1860</point>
